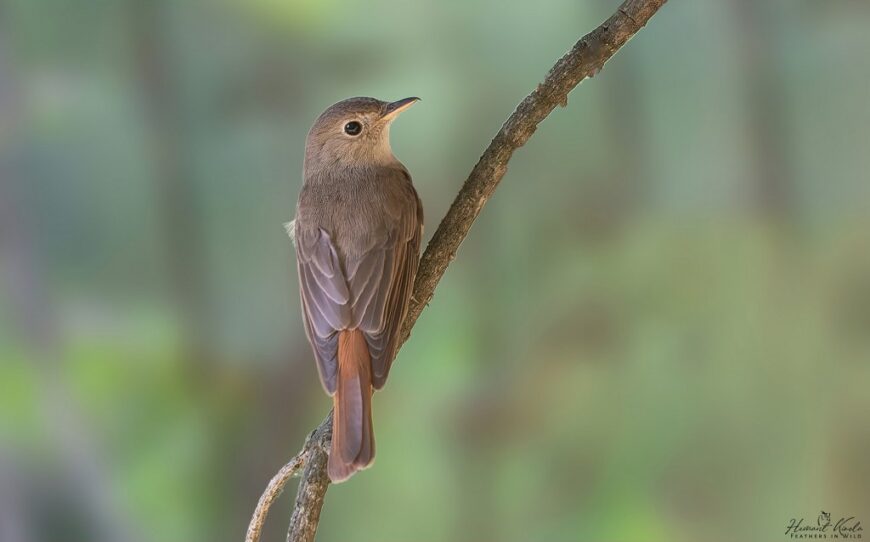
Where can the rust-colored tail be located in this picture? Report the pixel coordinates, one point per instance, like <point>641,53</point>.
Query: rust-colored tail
<point>353,440</point>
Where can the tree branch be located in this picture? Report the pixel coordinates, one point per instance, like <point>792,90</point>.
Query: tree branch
<point>585,59</point>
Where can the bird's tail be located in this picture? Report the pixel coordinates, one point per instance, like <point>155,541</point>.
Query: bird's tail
<point>353,440</point>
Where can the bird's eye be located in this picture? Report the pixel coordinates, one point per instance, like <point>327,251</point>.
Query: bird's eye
<point>353,128</point>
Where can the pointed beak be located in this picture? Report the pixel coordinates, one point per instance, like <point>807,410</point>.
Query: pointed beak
<point>393,109</point>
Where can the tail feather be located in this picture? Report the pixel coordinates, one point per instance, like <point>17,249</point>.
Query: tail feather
<point>353,440</point>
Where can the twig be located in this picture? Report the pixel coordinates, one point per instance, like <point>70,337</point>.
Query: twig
<point>273,491</point>
<point>313,457</point>
<point>312,487</point>
<point>585,59</point>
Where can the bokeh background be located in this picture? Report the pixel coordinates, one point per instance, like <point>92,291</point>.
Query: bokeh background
<point>658,329</point>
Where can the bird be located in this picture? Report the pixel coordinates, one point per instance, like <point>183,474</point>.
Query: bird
<point>357,233</point>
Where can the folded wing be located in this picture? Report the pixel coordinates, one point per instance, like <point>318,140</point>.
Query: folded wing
<point>369,293</point>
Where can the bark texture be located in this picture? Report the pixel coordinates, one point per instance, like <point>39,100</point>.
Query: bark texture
<point>585,59</point>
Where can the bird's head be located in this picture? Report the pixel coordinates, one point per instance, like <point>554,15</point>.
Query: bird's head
<point>353,132</point>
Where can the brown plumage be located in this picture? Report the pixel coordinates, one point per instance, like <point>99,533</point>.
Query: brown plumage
<point>357,229</point>
<point>353,444</point>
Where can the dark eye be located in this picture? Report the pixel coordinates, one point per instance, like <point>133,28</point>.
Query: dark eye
<point>352,128</point>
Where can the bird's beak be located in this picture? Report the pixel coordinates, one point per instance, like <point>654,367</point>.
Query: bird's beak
<point>393,109</point>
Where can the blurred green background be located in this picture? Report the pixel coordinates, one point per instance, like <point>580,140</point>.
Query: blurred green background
<point>658,329</point>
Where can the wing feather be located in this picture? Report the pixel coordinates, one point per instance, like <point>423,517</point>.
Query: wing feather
<point>325,299</point>
<point>370,292</point>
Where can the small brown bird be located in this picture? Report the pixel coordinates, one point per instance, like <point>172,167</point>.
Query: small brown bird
<point>357,232</point>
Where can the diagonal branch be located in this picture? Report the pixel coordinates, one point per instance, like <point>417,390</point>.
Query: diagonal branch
<point>585,59</point>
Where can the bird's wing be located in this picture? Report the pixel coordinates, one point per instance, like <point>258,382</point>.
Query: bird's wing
<point>382,287</point>
<point>370,293</point>
<point>325,299</point>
